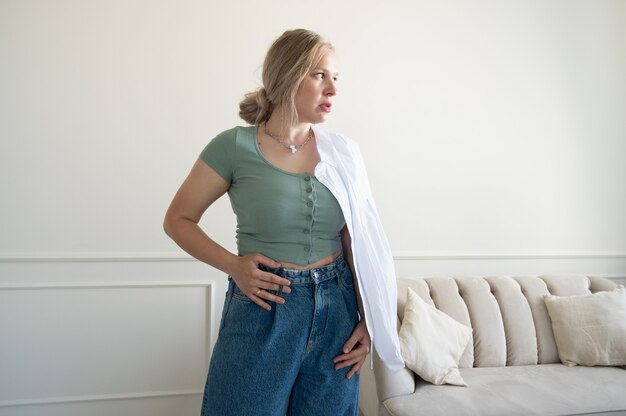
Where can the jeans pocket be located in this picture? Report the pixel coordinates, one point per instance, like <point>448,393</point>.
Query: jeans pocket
<point>239,295</point>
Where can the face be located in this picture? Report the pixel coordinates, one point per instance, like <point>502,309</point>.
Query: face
<point>317,90</point>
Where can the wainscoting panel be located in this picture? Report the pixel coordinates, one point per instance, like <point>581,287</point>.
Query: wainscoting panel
<point>116,347</point>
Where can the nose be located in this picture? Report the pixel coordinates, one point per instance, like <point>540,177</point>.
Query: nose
<point>331,89</point>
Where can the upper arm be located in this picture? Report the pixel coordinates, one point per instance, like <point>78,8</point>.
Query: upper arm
<point>346,240</point>
<point>201,188</point>
<point>208,180</point>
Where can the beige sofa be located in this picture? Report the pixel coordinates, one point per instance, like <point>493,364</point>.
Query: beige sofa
<point>513,366</point>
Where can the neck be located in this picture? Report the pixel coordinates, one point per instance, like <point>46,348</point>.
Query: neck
<point>291,134</point>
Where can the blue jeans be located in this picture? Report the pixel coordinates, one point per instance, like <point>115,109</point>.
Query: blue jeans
<point>280,362</point>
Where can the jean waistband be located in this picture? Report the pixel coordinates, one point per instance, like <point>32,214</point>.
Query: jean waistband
<point>314,275</point>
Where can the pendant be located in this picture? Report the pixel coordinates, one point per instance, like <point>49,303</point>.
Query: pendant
<point>293,149</point>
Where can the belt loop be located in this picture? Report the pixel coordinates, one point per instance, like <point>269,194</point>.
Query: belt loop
<point>316,276</point>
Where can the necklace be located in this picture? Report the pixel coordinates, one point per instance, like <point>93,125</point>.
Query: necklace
<point>291,147</point>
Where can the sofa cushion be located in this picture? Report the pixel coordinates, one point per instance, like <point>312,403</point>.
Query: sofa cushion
<point>519,328</point>
<point>432,342</point>
<point>590,329</point>
<point>445,295</point>
<point>486,318</point>
<point>567,285</point>
<point>534,290</point>
<point>548,389</point>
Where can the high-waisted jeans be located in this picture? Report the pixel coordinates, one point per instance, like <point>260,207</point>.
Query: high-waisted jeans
<point>280,362</point>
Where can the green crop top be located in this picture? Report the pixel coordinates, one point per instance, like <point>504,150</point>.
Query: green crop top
<point>285,216</point>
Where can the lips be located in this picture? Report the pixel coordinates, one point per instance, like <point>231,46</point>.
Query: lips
<point>326,107</point>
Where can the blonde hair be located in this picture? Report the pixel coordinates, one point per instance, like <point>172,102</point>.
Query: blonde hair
<point>286,64</point>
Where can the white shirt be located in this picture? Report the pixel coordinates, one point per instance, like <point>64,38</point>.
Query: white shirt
<point>342,171</point>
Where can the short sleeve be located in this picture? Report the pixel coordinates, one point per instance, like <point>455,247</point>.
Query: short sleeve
<point>219,154</point>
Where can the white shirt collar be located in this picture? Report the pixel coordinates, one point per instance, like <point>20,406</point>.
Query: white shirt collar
<point>325,145</point>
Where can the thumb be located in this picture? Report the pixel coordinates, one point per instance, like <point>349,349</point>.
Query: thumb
<point>350,343</point>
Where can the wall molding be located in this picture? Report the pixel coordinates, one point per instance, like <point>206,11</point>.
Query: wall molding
<point>107,285</point>
<point>96,257</point>
<point>99,397</point>
<point>100,257</point>
<point>509,255</point>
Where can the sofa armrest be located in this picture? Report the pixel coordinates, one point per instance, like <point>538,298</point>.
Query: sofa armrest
<point>390,384</point>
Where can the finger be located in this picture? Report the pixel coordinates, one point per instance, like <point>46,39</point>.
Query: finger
<point>269,296</point>
<point>260,302</point>
<point>361,350</point>
<point>267,287</point>
<point>355,369</point>
<point>349,363</point>
<point>272,278</point>
<point>351,342</point>
<point>265,284</point>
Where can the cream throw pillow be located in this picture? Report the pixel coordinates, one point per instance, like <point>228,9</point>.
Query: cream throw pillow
<point>431,342</point>
<point>590,329</point>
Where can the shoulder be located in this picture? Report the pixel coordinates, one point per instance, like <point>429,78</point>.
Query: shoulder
<point>222,153</point>
<point>233,138</point>
<point>234,132</point>
<point>224,143</point>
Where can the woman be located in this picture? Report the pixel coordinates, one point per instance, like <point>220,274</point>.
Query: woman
<point>293,332</point>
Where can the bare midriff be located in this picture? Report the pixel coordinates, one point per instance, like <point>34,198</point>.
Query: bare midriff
<point>320,263</point>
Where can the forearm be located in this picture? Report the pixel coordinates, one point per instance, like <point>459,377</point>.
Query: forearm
<point>190,237</point>
<point>359,301</point>
<point>358,345</point>
<point>254,283</point>
<point>346,243</point>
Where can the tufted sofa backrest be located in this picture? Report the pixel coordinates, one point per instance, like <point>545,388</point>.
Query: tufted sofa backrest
<point>507,314</point>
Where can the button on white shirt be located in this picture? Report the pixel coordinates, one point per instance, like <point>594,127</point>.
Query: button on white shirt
<point>342,171</point>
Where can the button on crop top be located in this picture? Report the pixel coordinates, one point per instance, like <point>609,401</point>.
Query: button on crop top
<point>285,216</point>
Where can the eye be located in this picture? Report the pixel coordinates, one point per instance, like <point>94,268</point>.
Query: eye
<point>322,76</point>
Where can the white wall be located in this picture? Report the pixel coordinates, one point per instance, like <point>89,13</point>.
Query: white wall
<point>494,135</point>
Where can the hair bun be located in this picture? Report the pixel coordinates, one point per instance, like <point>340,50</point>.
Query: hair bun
<point>256,107</point>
